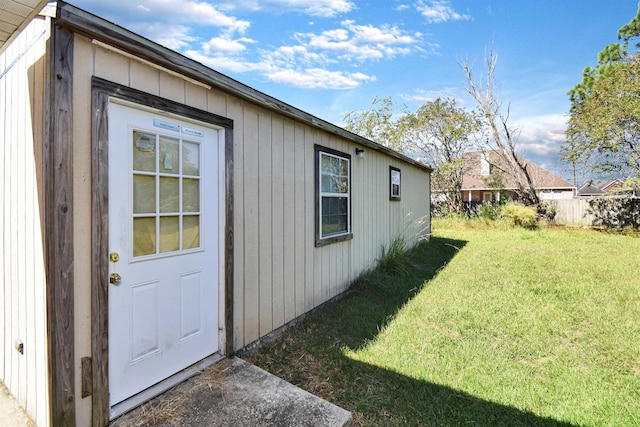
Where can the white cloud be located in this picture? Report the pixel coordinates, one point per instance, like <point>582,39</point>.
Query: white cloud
<point>308,64</point>
<point>318,78</point>
<point>296,55</point>
<point>541,135</point>
<point>225,63</point>
<point>321,8</point>
<point>174,37</point>
<point>362,42</point>
<point>210,34</point>
<point>226,44</point>
<point>284,73</point>
<point>420,96</point>
<point>169,12</point>
<point>437,11</point>
<point>196,12</point>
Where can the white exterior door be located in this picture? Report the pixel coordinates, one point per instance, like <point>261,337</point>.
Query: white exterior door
<point>163,224</point>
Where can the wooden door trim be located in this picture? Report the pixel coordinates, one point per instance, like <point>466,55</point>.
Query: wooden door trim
<point>101,91</point>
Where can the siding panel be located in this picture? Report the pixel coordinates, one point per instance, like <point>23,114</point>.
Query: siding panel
<point>82,213</point>
<point>5,222</point>
<point>22,299</point>
<point>144,78</point>
<point>22,102</point>
<point>277,220</point>
<point>300,220</point>
<point>235,112</point>
<point>217,104</point>
<point>288,221</point>
<point>172,87</point>
<point>265,223</point>
<point>39,408</point>
<point>195,96</point>
<point>110,66</point>
<point>250,278</point>
<point>309,212</point>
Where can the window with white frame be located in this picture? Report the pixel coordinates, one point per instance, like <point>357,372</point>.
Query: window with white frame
<point>333,196</point>
<point>394,183</point>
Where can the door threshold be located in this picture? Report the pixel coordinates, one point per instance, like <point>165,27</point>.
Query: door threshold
<point>159,388</point>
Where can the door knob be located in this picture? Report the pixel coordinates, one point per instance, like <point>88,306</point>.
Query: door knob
<point>114,278</point>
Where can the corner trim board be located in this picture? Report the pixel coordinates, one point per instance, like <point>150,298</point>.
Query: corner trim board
<point>59,225</point>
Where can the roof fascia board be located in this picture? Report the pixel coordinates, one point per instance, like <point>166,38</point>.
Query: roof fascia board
<point>107,32</point>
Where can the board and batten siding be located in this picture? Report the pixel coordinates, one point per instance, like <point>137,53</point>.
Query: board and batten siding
<point>23,73</point>
<point>278,272</point>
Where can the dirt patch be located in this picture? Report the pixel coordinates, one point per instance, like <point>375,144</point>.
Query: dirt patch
<point>168,408</point>
<point>234,392</point>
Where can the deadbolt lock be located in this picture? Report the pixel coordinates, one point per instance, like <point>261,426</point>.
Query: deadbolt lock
<point>114,278</point>
<point>114,257</point>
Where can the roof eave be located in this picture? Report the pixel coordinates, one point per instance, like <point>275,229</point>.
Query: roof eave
<point>16,20</point>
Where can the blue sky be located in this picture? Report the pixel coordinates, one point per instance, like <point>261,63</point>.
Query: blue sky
<point>329,57</point>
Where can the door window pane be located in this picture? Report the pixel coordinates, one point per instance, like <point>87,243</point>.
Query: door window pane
<point>190,195</point>
<point>144,194</point>
<point>144,236</point>
<point>190,159</point>
<point>166,204</point>
<point>190,231</point>
<point>144,152</point>
<point>169,234</point>
<point>169,161</point>
<point>169,195</point>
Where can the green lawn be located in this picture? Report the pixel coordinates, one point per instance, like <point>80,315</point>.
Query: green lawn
<point>486,327</point>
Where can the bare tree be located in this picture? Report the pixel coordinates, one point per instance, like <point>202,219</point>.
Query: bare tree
<point>483,91</point>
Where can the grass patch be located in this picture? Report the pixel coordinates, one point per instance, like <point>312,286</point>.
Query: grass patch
<point>486,326</point>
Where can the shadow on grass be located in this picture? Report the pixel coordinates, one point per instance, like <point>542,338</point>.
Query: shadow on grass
<point>311,354</point>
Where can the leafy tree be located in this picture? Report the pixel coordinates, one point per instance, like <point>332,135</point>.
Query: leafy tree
<point>379,123</point>
<point>603,132</point>
<point>502,140</point>
<point>437,134</point>
<point>440,132</point>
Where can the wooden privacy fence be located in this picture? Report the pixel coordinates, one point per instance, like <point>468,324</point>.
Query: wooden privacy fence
<point>572,211</point>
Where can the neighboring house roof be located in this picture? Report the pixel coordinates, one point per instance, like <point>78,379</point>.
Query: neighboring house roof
<point>612,185</point>
<point>596,187</point>
<point>589,189</point>
<point>475,179</point>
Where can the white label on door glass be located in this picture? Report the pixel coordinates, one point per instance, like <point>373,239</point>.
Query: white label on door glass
<point>166,125</point>
<point>193,132</point>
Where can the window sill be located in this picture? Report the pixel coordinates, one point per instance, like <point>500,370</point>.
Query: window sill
<point>333,239</point>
